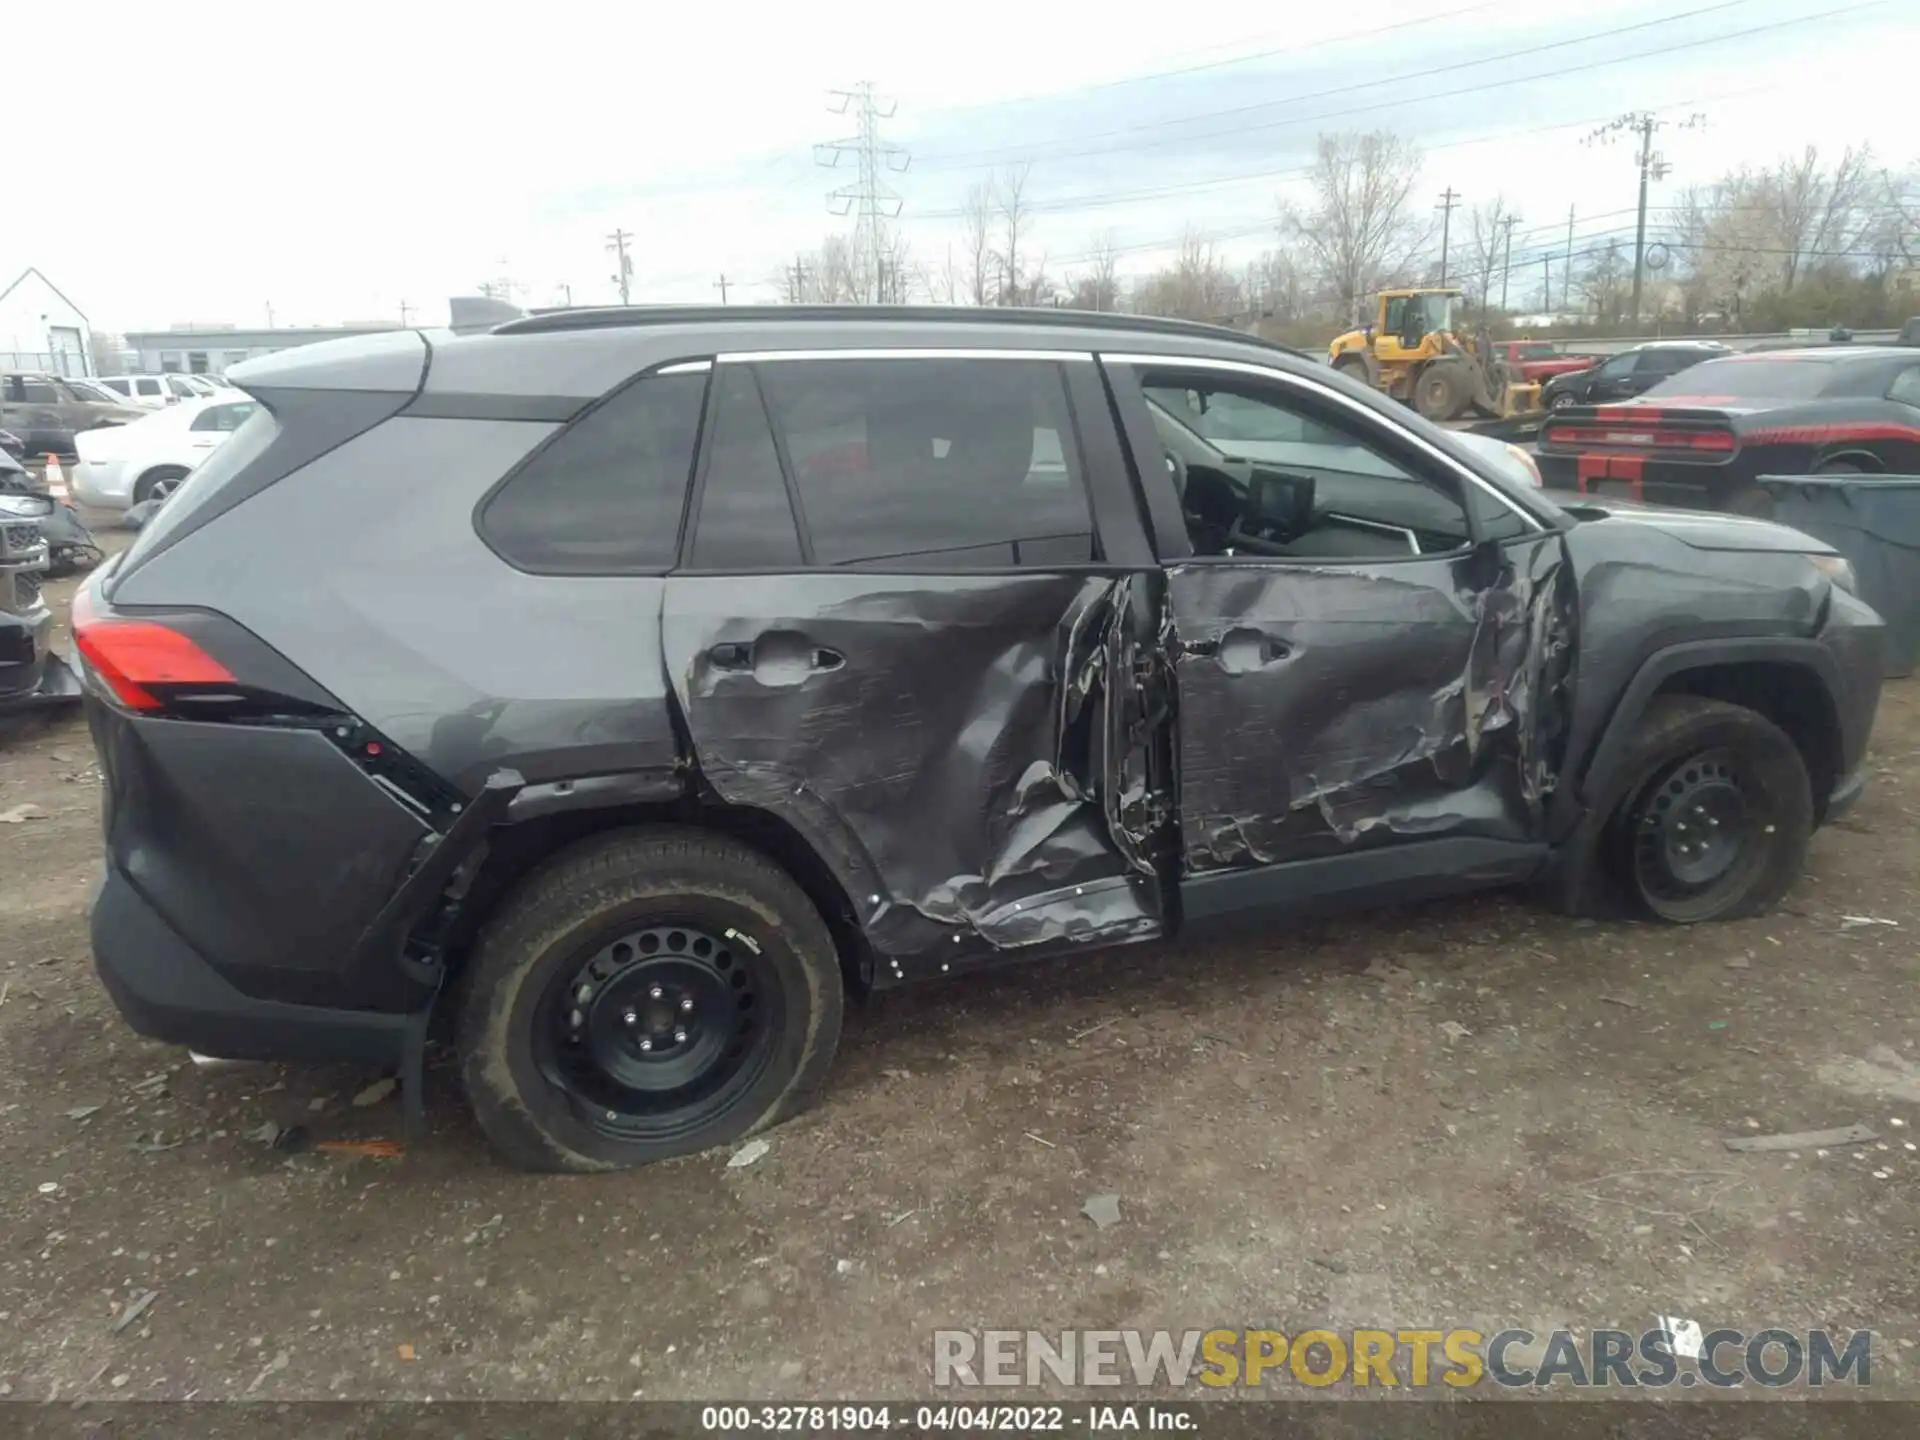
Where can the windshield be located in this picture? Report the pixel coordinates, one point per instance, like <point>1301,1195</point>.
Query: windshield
<point>1533,350</point>
<point>94,393</point>
<point>1435,312</point>
<point>1747,378</point>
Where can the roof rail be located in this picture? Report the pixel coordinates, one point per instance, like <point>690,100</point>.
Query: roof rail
<point>610,317</point>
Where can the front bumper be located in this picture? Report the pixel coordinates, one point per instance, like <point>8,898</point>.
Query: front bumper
<point>166,990</point>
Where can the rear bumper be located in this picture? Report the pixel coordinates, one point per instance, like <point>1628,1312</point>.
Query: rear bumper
<point>167,991</point>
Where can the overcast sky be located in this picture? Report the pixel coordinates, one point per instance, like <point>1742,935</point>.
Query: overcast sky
<point>209,160</point>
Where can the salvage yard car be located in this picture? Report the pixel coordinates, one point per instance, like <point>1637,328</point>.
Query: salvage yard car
<point>628,687</point>
<point>1704,437</point>
<point>127,465</point>
<point>47,411</point>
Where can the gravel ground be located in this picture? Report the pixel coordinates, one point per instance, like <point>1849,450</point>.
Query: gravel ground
<point>1477,1113</point>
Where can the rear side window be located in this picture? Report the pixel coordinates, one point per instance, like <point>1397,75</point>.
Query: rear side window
<point>933,464</point>
<point>1906,387</point>
<point>222,417</point>
<point>119,387</point>
<point>604,496</point>
<point>746,519</point>
<point>147,387</point>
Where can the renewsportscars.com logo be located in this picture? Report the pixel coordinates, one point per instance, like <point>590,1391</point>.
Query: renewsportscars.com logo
<point>1403,1358</point>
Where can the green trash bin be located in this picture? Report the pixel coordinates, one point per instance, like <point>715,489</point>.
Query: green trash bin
<point>1873,520</point>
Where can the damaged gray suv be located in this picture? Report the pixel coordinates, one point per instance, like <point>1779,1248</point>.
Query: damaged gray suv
<point>628,687</point>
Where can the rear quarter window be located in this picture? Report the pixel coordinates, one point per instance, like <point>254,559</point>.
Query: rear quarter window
<point>605,495</point>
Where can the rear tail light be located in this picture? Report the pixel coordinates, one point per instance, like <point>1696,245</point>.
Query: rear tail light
<point>1708,442</point>
<point>131,657</point>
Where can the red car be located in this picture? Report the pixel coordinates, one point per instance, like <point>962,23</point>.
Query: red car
<point>1537,360</point>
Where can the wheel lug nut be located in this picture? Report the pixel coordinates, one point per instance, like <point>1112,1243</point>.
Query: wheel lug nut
<point>632,1017</point>
<point>679,1037</point>
<point>583,994</point>
<point>687,1004</point>
<point>646,1044</point>
<point>576,1019</point>
<point>656,992</point>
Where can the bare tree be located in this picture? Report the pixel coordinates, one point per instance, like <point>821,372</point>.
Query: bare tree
<point>1197,286</point>
<point>977,246</point>
<point>1604,282</point>
<point>1277,285</point>
<point>1360,228</point>
<point>1819,212</point>
<point>1014,215</point>
<point>1099,287</point>
<point>1487,234</point>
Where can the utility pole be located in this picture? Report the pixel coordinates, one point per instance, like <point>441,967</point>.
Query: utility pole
<point>1448,199</point>
<point>797,282</point>
<point>870,200</point>
<point>1506,265</point>
<point>721,286</point>
<point>623,265</point>
<point>1546,284</point>
<point>1644,124</point>
<point>566,294</point>
<point>405,311</point>
<point>1566,271</point>
<point>269,314</point>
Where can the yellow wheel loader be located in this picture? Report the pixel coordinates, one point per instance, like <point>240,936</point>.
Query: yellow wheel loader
<point>1412,353</point>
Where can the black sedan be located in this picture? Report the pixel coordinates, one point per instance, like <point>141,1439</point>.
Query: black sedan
<point>1630,373</point>
<point>1701,439</point>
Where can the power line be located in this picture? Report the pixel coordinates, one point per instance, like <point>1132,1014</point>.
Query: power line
<point>943,162</point>
<point>869,199</point>
<point>1247,59</point>
<point>1100,199</point>
<point>1401,102</point>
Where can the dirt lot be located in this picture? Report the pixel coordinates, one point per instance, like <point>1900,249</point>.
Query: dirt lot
<point>1477,1114</point>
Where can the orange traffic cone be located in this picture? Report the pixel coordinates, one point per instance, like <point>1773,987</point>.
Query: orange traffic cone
<point>56,478</point>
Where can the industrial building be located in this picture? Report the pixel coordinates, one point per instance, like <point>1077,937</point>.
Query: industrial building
<point>214,349</point>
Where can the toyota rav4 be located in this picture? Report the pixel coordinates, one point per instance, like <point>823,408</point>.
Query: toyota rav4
<point>629,687</point>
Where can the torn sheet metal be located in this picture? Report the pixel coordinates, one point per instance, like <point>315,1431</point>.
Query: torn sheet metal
<point>941,741</point>
<point>1319,704</point>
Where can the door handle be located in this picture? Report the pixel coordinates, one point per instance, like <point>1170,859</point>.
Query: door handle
<point>731,655</point>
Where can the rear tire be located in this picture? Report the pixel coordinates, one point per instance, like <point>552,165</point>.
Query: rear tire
<point>1714,816</point>
<point>1352,367</point>
<point>647,994</point>
<point>158,484</point>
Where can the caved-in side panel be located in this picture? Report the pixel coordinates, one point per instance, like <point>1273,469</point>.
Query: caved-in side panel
<point>939,740</point>
<point>1326,708</point>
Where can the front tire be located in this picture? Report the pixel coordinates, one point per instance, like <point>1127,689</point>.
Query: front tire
<point>647,994</point>
<point>1715,816</point>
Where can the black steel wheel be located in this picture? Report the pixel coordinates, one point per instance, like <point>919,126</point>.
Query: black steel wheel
<point>1700,833</point>
<point>1561,400</point>
<point>1714,815</point>
<point>647,993</point>
<point>658,1031</point>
